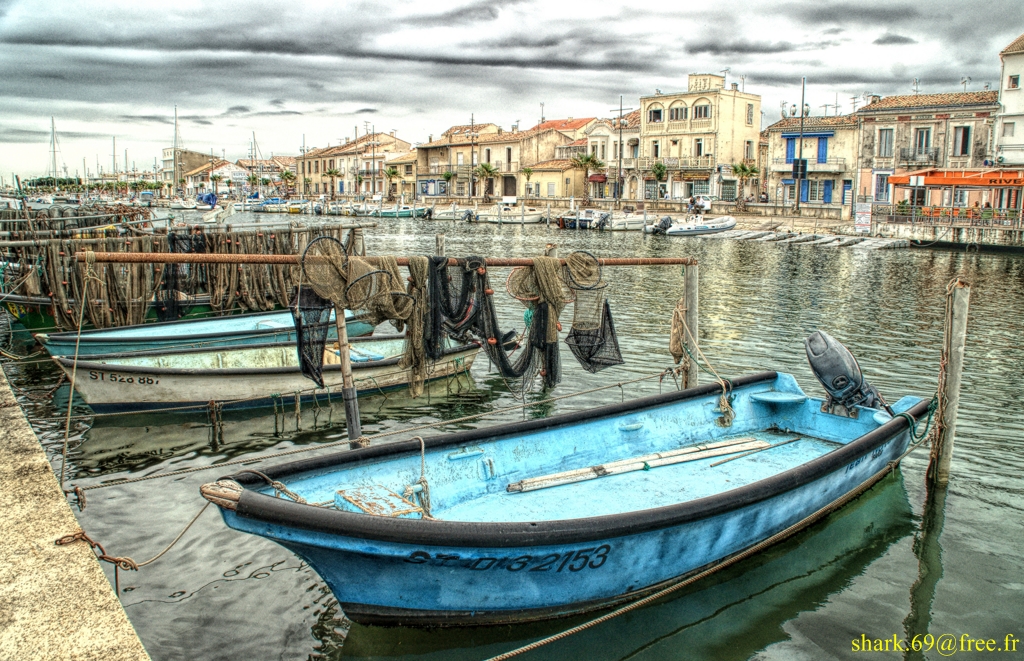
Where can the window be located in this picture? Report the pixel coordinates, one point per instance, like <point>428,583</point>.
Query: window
<point>615,149</point>
<point>962,141</point>
<point>508,157</point>
<point>316,188</point>
<point>701,188</point>
<point>655,149</point>
<point>698,147</point>
<point>1013,82</point>
<point>341,186</point>
<point>458,159</point>
<point>331,166</point>
<point>881,187</point>
<point>460,187</point>
<point>593,148</point>
<point>748,149</point>
<point>728,191</point>
<point>303,167</point>
<point>316,167</point>
<point>750,113</point>
<point>702,112</point>
<point>884,143</point>
<point>960,197</point>
<point>654,115</point>
<point>1008,129</point>
<point>678,114</point>
<point>819,191</point>
<point>922,141</point>
<point>551,188</point>
<point>475,158</point>
<point>408,169</point>
<point>790,149</point>
<point>487,154</point>
<point>823,150</point>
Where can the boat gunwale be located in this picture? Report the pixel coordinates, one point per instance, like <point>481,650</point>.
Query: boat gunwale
<point>289,514</point>
<point>70,337</point>
<point>91,363</point>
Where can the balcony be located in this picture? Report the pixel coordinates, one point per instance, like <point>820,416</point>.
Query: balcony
<point>835,164</point>
<point>509,167</point>
<point>911,155</point>
<point>706,162</point>
<point>369,173</point>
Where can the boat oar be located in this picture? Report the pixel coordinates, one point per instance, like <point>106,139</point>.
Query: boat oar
<point>740,456</point>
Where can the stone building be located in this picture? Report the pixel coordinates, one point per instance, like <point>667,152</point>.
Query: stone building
<point>830,148</point>
<point>698,135</point>
<point>615,141</point>
<point>1009,127</point>
<point>358,165</point>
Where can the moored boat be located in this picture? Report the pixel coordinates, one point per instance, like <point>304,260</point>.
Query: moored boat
<point>227,331</point>
<point>550,517</point>
<point>507,213</point>
<point>243,377</point>
<point>693,226</point>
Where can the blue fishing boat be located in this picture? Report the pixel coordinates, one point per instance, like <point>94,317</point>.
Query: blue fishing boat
<point>551,517</point>
<point>227,331</point>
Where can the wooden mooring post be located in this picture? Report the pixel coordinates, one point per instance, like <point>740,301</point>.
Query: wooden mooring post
<point>958,296</point>
<point>690,294</point>
<point>439,244</point>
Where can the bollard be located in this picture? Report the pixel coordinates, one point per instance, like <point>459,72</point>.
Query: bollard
<point>958,296</point>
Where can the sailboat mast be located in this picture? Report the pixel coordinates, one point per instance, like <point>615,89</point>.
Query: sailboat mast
<point>53,153</point>
<point>174,148</point>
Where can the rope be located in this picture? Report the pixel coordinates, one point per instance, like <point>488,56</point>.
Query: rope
<point>743,555</point>
<point>724,405</point>
<point>424,494</point>
<point>379,435</point>
<point>278,486</point>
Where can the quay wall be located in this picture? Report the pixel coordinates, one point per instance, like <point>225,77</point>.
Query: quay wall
<point>55,601</point>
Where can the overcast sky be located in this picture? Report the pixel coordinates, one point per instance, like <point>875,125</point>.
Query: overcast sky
<point>321,69</point>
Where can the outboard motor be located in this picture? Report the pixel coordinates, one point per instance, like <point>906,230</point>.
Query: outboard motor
<point>840,375</point>
<point>662,226</point>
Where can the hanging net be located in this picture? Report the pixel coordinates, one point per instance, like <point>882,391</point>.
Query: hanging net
<point>312,314</point>
<point>592,338</point>
<point>181,282</point>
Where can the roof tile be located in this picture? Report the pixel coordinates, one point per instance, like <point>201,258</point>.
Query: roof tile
<point>909,101</point>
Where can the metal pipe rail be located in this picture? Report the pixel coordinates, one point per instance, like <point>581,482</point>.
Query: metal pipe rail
<point>205,258</point>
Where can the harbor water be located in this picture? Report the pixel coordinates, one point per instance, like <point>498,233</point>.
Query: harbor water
<point>894,561</point>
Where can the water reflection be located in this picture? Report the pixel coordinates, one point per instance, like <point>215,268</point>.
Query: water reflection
<point>929,568</point>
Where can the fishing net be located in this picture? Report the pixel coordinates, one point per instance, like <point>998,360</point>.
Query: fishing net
<point>312,314</point>
<point>180,281</point>
<point>592,338</point>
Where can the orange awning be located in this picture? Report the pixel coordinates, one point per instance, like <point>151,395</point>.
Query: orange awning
<point>977,178</point>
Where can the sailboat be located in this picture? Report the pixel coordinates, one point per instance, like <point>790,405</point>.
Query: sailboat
<point>46,201</point>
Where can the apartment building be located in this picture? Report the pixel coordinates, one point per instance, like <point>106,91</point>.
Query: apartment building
<point>616,142</point>
<point>1009,127</point>
<point>697,134</point>
<point>357,165</point>
<point>830,147</point>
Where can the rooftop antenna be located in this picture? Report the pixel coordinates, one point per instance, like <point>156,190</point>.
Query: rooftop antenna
<point>915,85</point>
<point>964,81</point>
<point>743,84</point>
<point>853,102</point>
<point>541,112</point>
<point>725,73</point>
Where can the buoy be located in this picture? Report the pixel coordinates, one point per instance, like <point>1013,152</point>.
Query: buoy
<point>489,292</point>
<point>481,270</point>
<point>558,325</point>
<point>492,341</point>
<point>543,372</point>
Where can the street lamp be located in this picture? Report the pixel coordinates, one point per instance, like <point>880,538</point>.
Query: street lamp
<point>618,177</point>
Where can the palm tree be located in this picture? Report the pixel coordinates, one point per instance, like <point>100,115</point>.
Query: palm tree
<point>527,173</point>
<point>744,172</point>
<point>448,176</point>
<point>306,181</point>
<point>586,162</point>
<point>487,172</point>
<point>333,173</point>
<point>215,179</point>
<point>287,177</point>
<point>659,172</point>
<point>390,173</point>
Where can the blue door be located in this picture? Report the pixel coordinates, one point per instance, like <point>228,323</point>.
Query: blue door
<point>823,150</point>
<point>804,185</point>
<point>790,149</point>
<point>826,195</point>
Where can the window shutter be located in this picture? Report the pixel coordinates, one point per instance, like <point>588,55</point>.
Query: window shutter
<point>823,150</point>
<point>790,149</point>
<point>804,187</point>
<point>826,195</point>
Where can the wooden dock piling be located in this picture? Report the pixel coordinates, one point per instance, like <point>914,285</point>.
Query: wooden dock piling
<point>690,294</point>
<point>958,298</point>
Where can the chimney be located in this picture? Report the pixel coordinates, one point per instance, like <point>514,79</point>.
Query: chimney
<point>430,138</point>
<point>499,130</point>
<point>874,98</point>
<point>735,87</point>
<point>569,120</point>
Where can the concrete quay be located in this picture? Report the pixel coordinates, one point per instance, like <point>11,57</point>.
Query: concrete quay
<point>55,601</point>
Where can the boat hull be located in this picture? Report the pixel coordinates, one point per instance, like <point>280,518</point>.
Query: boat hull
<point>108,387</point>
<point>227,331</point>
<point>456,573</point>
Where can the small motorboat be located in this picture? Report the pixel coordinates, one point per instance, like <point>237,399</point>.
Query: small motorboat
<point>228,331</point>
<point>249,376</point>
<point>582,511</point>
<point>694,225</point>
<point>626,222</point>
<point>453,213</point>
<point>507,213</point>
<point>398,211</point>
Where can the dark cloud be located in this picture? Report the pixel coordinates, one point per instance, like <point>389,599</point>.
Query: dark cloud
<point>739,46</point>
<point>890,39</point>
<point>846,13</point>
<point>158,119</point>
<point>237,110</point>
<point>277,103</point>
<point>9,134</point>
<point>366,111</point>
<point>475,12</point>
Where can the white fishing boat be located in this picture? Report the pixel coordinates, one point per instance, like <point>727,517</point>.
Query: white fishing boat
<point>694,225</point>
<point>507,213</point>
<point>626,222</point>
<point>452,212</point>
<point>244,377</point>
<point>180,204</point>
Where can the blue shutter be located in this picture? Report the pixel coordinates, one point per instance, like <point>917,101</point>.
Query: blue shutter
<point>822,150</point>
<point>804,187</point>
<point>790,149</point>
<point>826,195</point>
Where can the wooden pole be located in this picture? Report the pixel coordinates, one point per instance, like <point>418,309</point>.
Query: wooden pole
<point>957,304</point>
<point>348,386</point>
<point>439,244</point>
<point>690,293</point>
<point>241,258</point>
